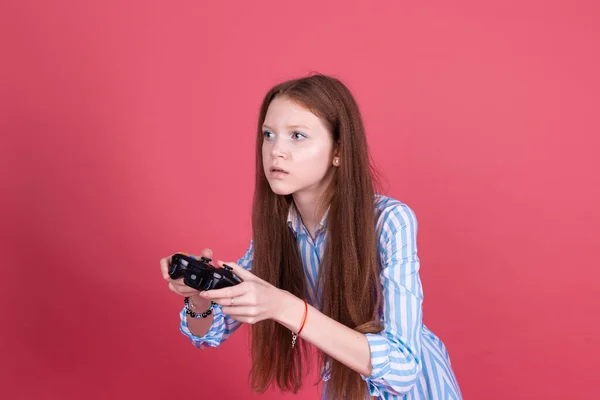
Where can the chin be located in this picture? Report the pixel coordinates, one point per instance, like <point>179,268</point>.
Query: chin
<point>280,190</point>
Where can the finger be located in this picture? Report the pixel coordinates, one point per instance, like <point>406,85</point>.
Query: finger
<point>235,311</point>
<point>228,292</point>
<point>185,289</point>
<point>165,263</point>
<point>243,300</point>
<point>182,290</point>
<point>205,253</point>
<point>239,271</point>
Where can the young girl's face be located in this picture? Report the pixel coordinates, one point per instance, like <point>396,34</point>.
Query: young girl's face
<point>297,149</point>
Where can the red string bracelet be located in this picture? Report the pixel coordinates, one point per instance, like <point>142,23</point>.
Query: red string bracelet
<point>295,335</point>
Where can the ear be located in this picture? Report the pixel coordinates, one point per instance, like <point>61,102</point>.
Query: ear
<point>336,149</point>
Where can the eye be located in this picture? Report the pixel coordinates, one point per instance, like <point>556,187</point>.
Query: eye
<point>298,135</point>
<point>267,135</point>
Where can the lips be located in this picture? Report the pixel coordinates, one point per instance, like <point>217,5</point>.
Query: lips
<point>278,169</point>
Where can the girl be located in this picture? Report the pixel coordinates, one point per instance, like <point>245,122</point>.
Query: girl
<point>333,263</point>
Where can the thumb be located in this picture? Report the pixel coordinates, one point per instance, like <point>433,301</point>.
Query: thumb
<point>206,253</point>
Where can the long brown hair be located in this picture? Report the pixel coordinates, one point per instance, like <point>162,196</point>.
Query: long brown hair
<point>349,271</point>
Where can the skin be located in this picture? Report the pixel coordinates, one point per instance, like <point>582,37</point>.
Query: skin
<point>299,142</point>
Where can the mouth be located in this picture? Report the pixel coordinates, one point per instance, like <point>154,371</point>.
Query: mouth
<point>274,170</point>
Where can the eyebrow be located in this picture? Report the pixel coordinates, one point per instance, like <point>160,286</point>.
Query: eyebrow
<point>289,126</point>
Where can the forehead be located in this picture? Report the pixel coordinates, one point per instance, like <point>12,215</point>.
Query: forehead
<point>283,111</point>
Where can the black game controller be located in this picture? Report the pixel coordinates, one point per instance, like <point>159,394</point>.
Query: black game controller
<point>199,274</point>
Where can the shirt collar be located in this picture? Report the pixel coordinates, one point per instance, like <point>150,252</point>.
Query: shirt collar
<point>294,221</point>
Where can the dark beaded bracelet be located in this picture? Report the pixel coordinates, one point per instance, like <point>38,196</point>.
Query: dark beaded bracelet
<point>196,315</point>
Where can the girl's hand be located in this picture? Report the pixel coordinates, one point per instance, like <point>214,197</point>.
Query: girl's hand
<point>176,285</point>
<point>251,301</point>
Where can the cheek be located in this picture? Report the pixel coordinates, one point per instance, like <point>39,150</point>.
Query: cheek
<point>314,156</point>
<point>265,155</point>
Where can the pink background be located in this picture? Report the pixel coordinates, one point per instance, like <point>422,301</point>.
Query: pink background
<point>127,133</point>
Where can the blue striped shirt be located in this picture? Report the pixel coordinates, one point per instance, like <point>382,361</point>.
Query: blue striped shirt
<point>408,361</point>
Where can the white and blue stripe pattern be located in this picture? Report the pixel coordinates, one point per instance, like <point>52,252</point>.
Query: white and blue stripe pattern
<point>408,360</point>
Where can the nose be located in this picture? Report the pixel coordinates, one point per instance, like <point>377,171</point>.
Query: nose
<point>278,150</point>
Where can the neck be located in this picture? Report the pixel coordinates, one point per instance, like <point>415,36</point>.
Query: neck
<point>312,203</point>
<point>311,207</point>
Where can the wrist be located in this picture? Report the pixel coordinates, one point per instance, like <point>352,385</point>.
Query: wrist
<point>290,311</point>
<point>196,302</point>
<point>194,312</point>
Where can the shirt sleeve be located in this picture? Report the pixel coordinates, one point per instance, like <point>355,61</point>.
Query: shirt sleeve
<point>223,325</point>
<point>396,351</point>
